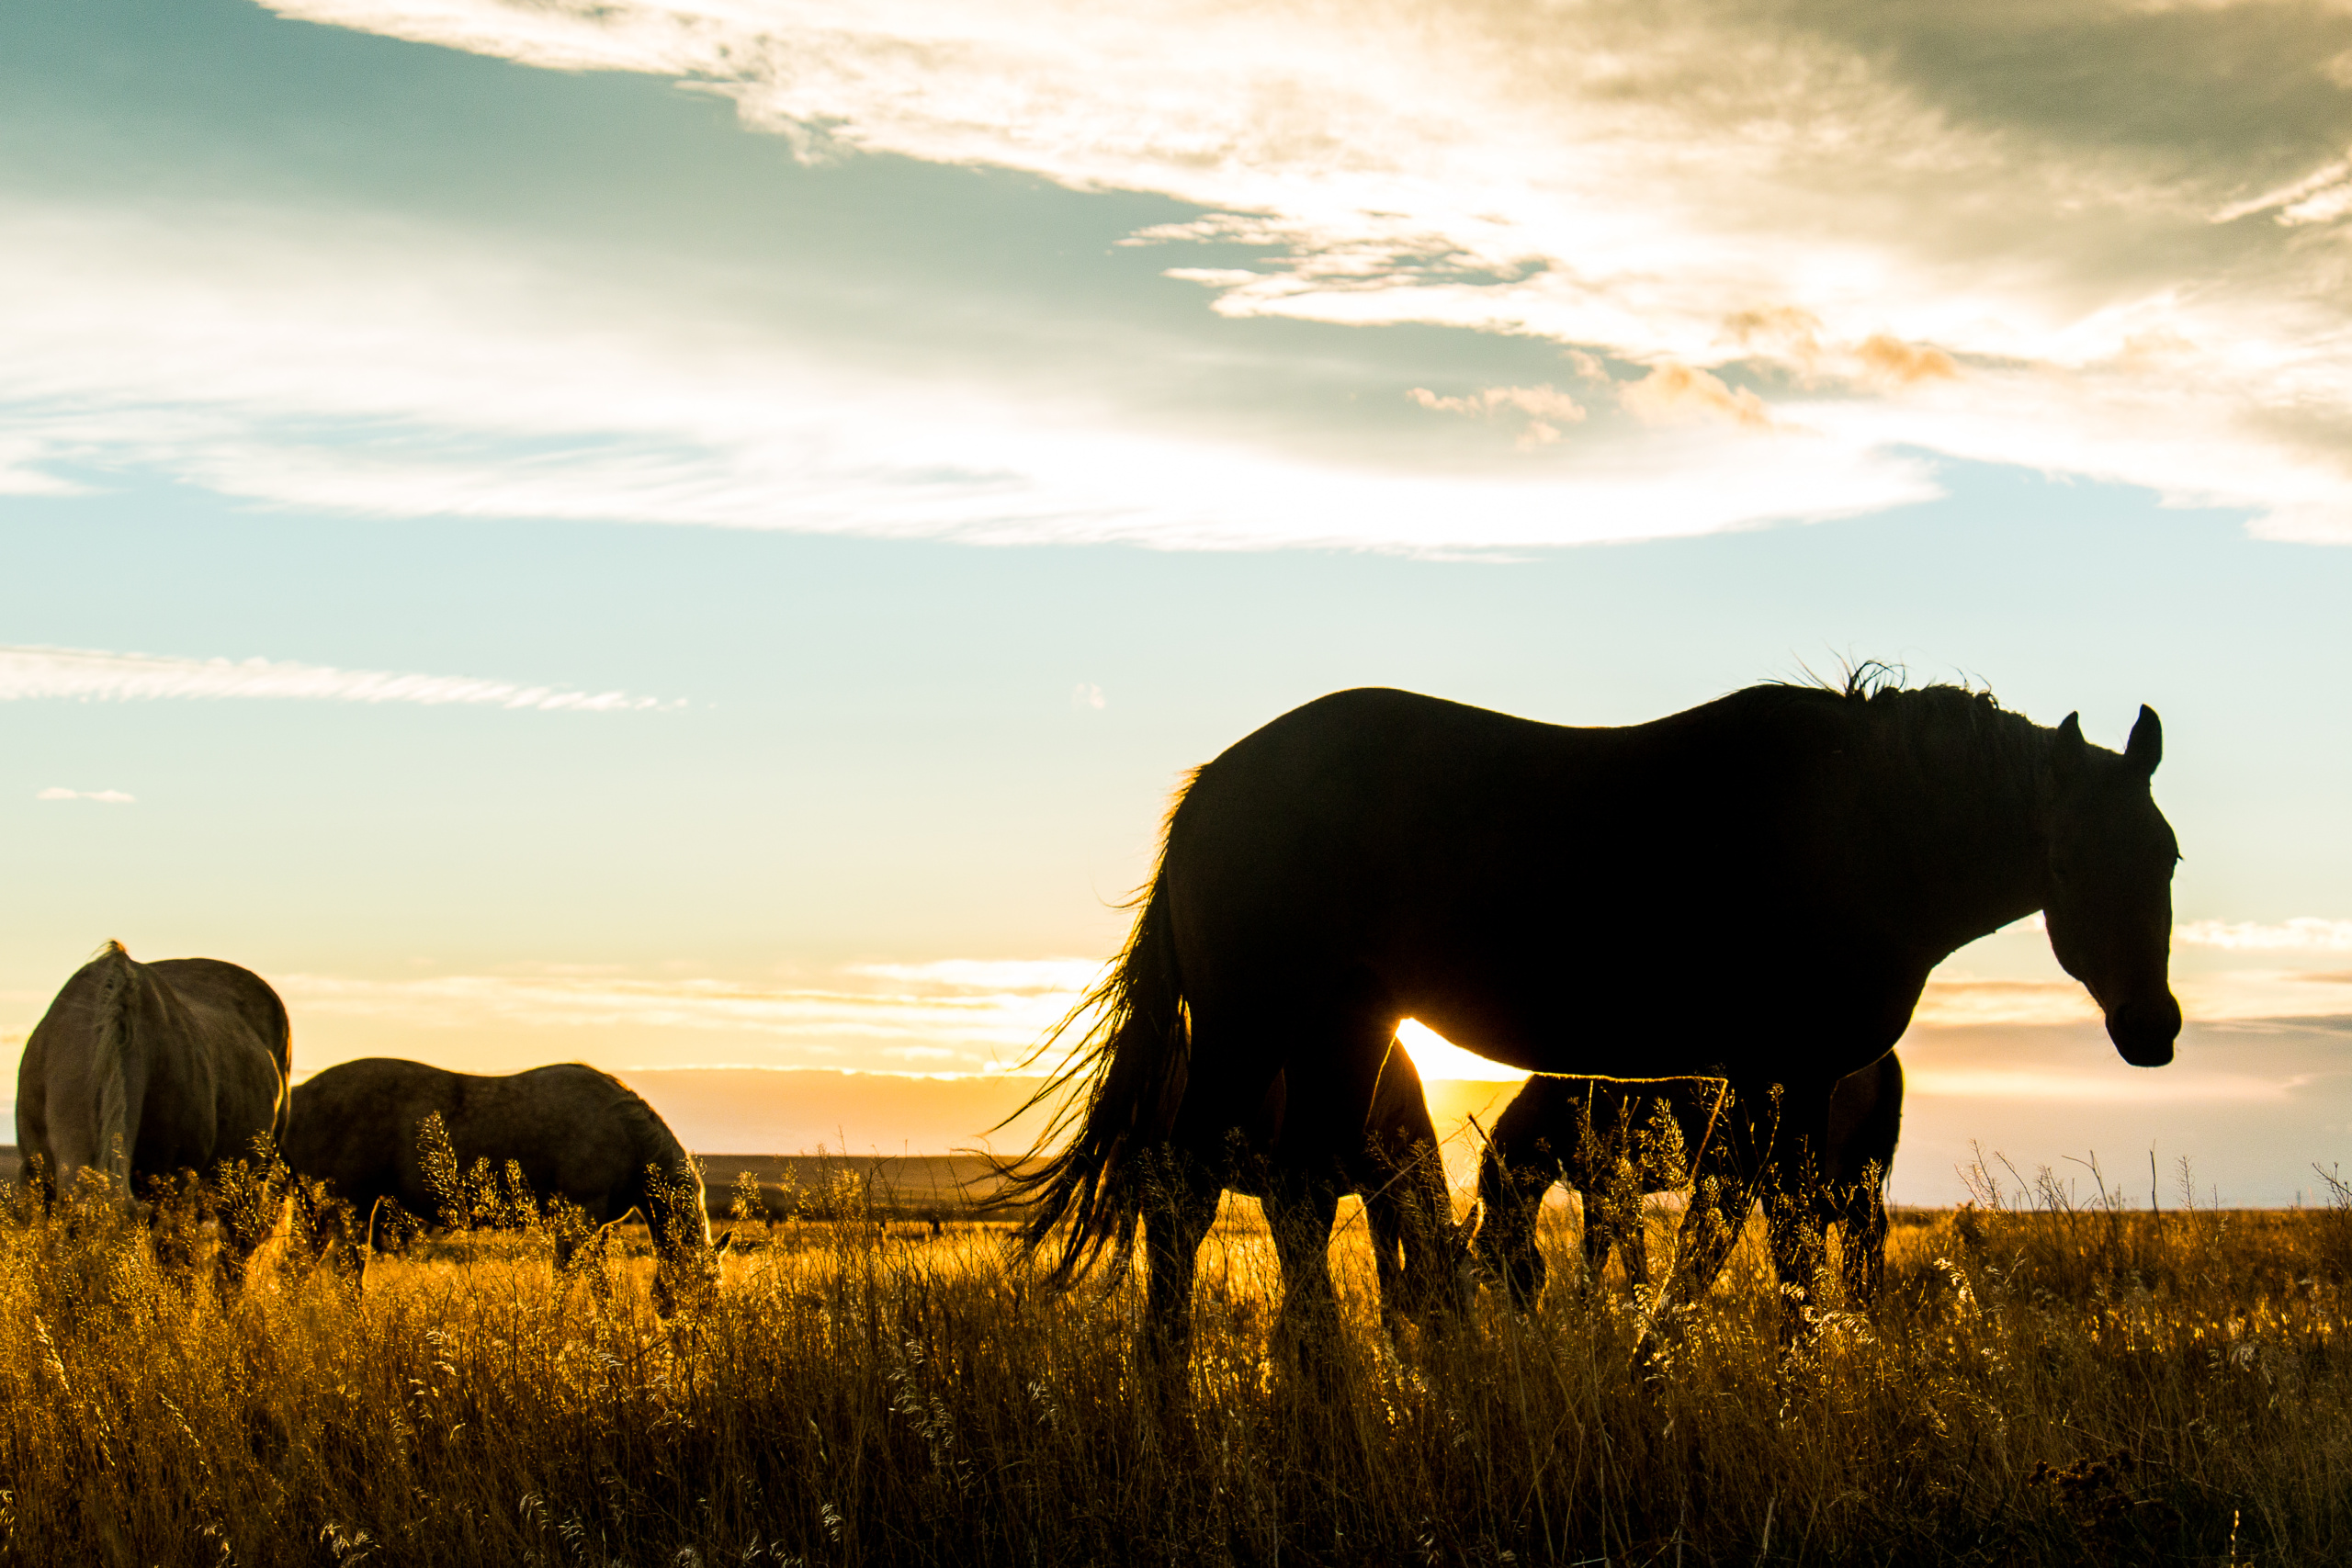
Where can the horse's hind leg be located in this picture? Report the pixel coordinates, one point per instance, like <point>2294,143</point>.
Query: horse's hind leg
<point>1332,1070</point>
<point>1599,1226</point>
<point>1636,1246</point>
<point>1178,1212</point>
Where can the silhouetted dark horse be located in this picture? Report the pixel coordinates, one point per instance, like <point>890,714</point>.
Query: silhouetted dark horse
<point>1614,1140</point>
<point>1757,886</point>
<point>1418,1251</point>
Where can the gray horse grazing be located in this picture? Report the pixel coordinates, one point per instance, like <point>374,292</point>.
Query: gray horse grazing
<point>575,1133</point>
<point>1416,1247</point>
<point>1614,1140</point>
<point>142,1072</point>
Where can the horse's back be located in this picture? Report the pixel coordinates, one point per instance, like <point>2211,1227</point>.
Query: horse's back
<point>1404,854</point>
<point>246,1007</point>
<point>353,1125</point>
<point>587,1131</point>
<point>573,1132</point>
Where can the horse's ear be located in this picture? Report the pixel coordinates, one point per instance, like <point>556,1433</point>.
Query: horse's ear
<point>726,1239</point>
<point>2147,747</point>
<point>2067,756</point>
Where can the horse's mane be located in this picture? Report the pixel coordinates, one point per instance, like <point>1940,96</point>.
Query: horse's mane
<point>1931,734</point>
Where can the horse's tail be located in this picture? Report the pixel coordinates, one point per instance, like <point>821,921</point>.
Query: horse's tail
<point>1132,1059</point>
<point>119,984</point>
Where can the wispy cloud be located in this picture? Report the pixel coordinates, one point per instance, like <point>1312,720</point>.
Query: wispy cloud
<point>2095,1088</point>
<point>29,673</point>
<point>1988,258</point>
<point>961,1015</point>
<point>1677,391</point>
<point>342,363</point>
<point>1007,976</point>
<point>2306,931</point>
<point>1545,408</point>
<point>103,796</point>
<point>1964,1000</point>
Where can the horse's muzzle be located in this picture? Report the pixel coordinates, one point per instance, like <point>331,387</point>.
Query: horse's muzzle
<point>2143,1030</point>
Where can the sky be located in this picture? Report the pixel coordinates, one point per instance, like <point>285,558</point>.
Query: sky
<point>701,534</point>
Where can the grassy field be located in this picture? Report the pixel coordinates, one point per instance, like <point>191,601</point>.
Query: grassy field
<point>2047,1381</point>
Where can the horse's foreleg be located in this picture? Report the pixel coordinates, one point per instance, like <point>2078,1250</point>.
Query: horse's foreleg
<point>1710,1224</point>
<point>1797,1201</point>
<point>1799,1251</point>
<point>1863,1245</point>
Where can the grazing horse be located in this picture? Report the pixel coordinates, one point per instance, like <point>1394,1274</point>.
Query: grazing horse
<point>140,1072</point>
<point>1758,886</point>
<point>1396,1170</point>
<point>1614,1140</point>
<point>574,1134</point>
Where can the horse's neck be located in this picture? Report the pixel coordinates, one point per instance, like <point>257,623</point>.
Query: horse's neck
<point>668,1213</point>
<point>660,1221</point>
<point>1982,842</point>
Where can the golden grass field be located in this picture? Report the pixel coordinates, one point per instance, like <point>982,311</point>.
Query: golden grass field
<point>2046,1380</point>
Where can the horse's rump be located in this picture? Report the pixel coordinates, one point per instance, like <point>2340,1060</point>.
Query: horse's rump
<point>140,1071</point>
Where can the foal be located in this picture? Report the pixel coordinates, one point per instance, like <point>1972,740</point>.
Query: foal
<point>1614,1140</point>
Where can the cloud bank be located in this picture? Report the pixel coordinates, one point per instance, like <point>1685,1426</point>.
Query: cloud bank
<point>342,362</point>
<point>31,673</point>
<point>962,1015</point>
<point>956,1016</point>
<point>2090,238</point>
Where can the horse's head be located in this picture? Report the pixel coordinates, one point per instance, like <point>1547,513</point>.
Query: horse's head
<point>685,1260</point>
<point>685,1273</point>
<point>1504,1250</point>
<point>1506,1254</point>
<point>2108,896</point>
<point>1440,1282</point>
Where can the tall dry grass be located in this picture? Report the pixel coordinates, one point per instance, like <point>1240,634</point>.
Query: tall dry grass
<point>2051,1378</point>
